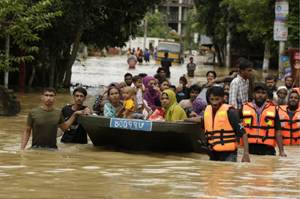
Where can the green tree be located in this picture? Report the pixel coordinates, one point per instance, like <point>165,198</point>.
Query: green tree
<point>293,24</point>
<point>101,23</point>
<point>258,24</point>
<point>157,25</point>
<point>22,21</point>
<point>212,16</point>
<point>192,26</point>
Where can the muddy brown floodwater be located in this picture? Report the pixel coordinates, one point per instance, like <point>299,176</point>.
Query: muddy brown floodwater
<point>83,171</point>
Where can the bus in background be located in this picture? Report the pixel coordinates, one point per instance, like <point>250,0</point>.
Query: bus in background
<point>174,50</point>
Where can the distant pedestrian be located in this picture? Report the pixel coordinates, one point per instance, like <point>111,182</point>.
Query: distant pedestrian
<point>191,67</point>
<point>147,56</point>
<point>166,63</point>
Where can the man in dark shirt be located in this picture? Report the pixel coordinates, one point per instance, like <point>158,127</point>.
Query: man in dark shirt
<point>73,132</point>
<point>166,63</point>
<point>191,67</point>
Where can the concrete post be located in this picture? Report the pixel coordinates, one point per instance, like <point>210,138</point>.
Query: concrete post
<point>280,64</point>
<point>228,47</point>
<point>179,18</point>
<point>6,74</point>
<point>145,32</point>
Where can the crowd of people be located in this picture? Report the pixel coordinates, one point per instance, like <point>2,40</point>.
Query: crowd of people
<point>139,54</point>
<point>232,110</point>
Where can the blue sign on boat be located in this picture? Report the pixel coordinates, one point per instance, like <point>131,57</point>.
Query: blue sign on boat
<point>136,125</point>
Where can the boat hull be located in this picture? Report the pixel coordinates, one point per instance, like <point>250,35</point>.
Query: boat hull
<point>163,136</point>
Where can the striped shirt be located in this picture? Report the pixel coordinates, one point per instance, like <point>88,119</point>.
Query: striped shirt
<point>238,93</point>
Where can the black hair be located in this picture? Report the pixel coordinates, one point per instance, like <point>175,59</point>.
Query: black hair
<point>183,78</point>
<point>212,72</point>
<point>270,77</point>
<point>136,78</point>
<point>112,87</point>
<point>244,63</point>
<point>163,80</point>
<point>260,86</point>
<point>194,87</point>
<point>215,91</point>
<point>142,75</point>
<point>49,89</point>
<point>289,76</point>
<point>166,54</point>
<point>294,91</point>
<point>172,87</point>
<point>160,69</point>
<point>127,74</point>
<point>80,90</point>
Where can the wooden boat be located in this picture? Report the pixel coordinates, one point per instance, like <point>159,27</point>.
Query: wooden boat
<point>142,135</point>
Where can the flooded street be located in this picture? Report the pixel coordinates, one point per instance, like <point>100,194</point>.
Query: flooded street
<point>84,171</point>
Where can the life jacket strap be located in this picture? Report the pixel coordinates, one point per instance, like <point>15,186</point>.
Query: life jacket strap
<point>290,129</point>
<point>261,137</point>
<point>223,142</point>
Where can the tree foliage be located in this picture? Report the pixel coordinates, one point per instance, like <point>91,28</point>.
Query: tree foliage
<point>293,24</point>
<point>50,31</point>
<point>250,22</point>
<point>23,21</point>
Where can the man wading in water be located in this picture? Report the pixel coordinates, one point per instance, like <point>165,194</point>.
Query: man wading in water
<point>222,128</point>
<point>43,122</point>
<point>75,133</point>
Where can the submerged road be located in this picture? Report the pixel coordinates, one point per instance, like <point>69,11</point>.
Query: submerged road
<point>83,171</point>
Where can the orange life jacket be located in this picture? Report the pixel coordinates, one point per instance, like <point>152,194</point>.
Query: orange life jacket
<point>290,127</point>
<point>262,131</point>
<point>218,130</point>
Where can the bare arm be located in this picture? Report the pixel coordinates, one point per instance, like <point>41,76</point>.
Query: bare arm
<point>66,125</point>
<point>25,137</point>
<point>280,144</point>
<point>245,157</point>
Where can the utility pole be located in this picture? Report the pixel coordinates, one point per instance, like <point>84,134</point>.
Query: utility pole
<point>7,46</point>
<point>179,18</point>
<point>228,39</point>
<point>130,36</point>
<point>228,47</point>
<point>281,30</point>
<point>145,32</point>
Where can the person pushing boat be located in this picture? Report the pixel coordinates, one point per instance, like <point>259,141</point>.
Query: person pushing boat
<point>222,128</point>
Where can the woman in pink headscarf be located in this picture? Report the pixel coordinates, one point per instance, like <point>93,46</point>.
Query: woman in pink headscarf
<point>152,94</point>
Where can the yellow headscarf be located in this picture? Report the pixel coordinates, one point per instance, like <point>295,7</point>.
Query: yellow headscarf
<point>174,112</point>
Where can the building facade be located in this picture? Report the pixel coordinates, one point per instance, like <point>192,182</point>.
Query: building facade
<point>177,13</point>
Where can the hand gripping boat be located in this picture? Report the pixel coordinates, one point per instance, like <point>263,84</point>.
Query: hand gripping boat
<point>143,135</point>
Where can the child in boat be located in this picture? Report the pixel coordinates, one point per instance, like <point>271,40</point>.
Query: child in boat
<point>142,107</point>
<point>129,104</point>
<point>138,84</point>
